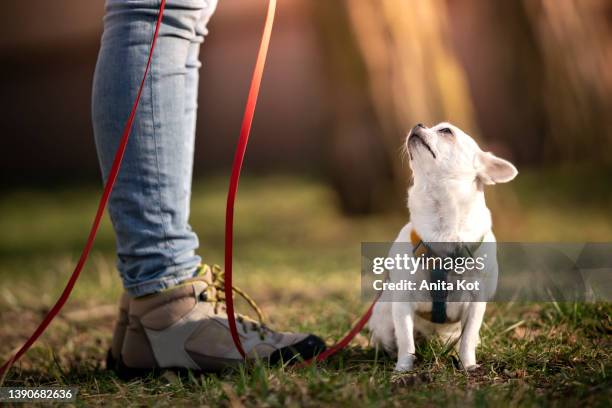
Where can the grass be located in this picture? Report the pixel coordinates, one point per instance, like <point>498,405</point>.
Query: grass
<point>299,257</point>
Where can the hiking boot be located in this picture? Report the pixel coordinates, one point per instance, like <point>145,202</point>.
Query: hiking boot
<point>112,356</point>
<point>186,327</point>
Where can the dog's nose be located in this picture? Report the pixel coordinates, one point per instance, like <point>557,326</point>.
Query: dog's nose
<point>417,128</point>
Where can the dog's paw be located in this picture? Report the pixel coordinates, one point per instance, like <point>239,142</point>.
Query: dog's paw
<point>405,363</point>
<point>472,367</point>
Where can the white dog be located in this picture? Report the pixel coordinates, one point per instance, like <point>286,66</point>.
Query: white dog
<point>447,204</point>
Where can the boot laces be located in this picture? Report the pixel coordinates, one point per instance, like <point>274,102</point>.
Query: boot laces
<point>215,294</point>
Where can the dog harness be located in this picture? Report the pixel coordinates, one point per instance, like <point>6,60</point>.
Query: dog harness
<point>438,276</point>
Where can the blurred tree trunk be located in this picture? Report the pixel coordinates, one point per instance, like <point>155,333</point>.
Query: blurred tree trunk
<point>534,76</point>
<point>391,67</point>
<point>539,73</point>
<point>414,74</point>
<point>358,165</point>
<point>575,39</point>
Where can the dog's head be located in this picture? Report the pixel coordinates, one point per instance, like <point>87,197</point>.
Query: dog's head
<point>444,153</point>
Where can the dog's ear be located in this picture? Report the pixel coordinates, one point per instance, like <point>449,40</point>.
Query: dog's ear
<point>491,169</point>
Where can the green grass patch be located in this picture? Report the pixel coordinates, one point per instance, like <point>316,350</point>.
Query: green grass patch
<point>300,258</point>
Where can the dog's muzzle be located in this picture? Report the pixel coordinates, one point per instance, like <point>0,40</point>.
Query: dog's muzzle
<point>416,136</point>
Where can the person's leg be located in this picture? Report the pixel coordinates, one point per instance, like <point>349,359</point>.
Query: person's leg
<point>149,207</point>
<point>187,326</point>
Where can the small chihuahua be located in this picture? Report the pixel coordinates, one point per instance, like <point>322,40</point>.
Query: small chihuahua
<point>447,204</point>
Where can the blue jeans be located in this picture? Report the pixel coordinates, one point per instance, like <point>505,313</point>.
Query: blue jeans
<point>149,206</point>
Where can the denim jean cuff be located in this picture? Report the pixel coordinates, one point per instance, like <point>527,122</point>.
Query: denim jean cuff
<point>160,284</point>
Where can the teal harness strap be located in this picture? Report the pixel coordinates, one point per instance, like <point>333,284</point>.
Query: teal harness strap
<point>438,277</point>
<point>438,297</point>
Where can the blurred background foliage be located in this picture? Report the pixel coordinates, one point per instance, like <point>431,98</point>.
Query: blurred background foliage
<point>346,80</point>
<point>530,79</point>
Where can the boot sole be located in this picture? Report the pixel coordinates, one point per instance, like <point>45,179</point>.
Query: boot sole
<point>301,351</point>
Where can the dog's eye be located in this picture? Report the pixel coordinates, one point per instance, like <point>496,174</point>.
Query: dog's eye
<point>446,130</point>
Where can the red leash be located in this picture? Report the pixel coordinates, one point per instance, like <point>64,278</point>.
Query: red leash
<point>342,343</point>
<point>108,188</point>
<point>245,131</point>
<point>231,196</point>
